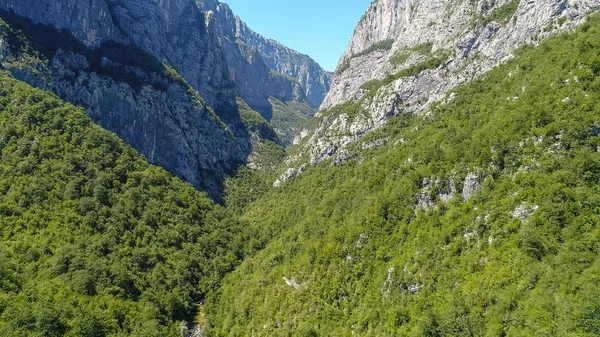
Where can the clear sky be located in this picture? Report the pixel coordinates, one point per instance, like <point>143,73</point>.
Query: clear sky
<point>319,28</point>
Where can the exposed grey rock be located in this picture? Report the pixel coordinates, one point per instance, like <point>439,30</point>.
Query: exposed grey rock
<point>363,240</point>
<point>169,127</point>
<point>291,282</point>
<point>524,211</point>
<point>3,47</point>
<point>471,185</point>
<point>425,199</point>
<point>264,68</point>
<point>342,157</point>
<point>289,174</point>
<point>174,31</point>
<point>448,24</point>
<point>434,189</point>
<point>471,235</point>
<point>411,288</point>
<point>89,20</point>
<point>300,137</point>
<point>197,331</point>
<point>451,28</point>
<point>386,287</point>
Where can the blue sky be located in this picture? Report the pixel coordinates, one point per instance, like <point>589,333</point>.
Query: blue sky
<point>319,28</point>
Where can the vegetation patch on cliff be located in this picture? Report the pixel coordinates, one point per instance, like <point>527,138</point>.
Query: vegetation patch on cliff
<point>377,46</point>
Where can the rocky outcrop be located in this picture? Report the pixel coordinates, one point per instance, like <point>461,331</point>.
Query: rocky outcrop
<point>89,20</point>
<point>262,67</point>
<point>149,70</point>
<point>174,31</point>
<point>312,78</point>
<point>395,34</point>
<point>406,55</point>
<point>128,91</point>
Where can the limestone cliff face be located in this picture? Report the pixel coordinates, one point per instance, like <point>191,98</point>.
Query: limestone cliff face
<point>314,80</point>
<point>126,85</point>
<point>293,75</point>
<point>177,32</point>
<point>407,54</point>
<point>174,31</point>
<point>255,81</point>
<point>89,20</point>
<point>480,33</point>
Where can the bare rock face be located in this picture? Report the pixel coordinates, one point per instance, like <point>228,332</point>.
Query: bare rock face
<point>160,118</point>
<point>166,63</point>
<point>174,31</point>
<point>131,92</point>
<point>89,20</point>
<point>477,37</point>
<point>471,186</point>
<point>263,67</point>
<point>450,42</point>
<point>256,83</point>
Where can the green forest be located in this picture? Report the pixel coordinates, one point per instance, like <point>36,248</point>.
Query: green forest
<point>95,241</point>
<point>386,244</point>
<point>479,218</point>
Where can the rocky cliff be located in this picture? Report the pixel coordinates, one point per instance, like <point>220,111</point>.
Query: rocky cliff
<point>254,80</point>
<point>314,80</point>
<point>152,72</point>
<point>128,77</point>
<point>407,54</point>
<point>474,36</point>
<point>294,76</point>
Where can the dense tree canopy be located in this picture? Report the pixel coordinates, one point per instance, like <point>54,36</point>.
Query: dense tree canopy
<point>479,218</point>
<point>95,241</point>
<point>387,244</point>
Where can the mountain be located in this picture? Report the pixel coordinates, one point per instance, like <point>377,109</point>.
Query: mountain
<point>128,78</point>
<point>448,187</point>
<point>164,76</point>
<point>477,218</point>
<point>313,80</point>
<point>273,79</point>
<point>406,55</point>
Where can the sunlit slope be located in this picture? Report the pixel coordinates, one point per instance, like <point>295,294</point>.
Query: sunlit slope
<point>478,219</point>
<point>95,241</point>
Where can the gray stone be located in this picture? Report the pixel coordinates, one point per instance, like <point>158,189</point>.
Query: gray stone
<point>473,49</point>
<point>471,185</point>
<point>524,211</point>
<point>264,68</point>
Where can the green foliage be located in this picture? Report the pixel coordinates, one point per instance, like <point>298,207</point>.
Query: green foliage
<point>95,241</point>
<point>433,61</point>
<point>402,56</point>
<point>380,45</point>
<point>366,261</point>
<point>345,65</point>
<point>254,122</point>
<point>377,46</point>
<point>502,14</point>
<point>289,119</point>
<point>423,48</point>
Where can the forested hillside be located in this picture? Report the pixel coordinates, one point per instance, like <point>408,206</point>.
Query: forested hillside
<point>95,241</point>
<point>479,218</point>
